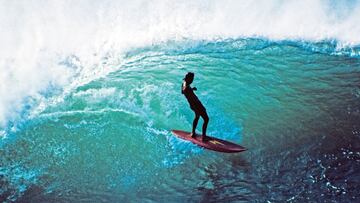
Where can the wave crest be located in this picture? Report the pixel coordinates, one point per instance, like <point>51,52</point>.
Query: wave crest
<point>38,35</point>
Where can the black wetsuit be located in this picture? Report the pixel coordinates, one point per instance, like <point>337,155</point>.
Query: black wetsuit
<point>198,108</point>
<point>193,100</point>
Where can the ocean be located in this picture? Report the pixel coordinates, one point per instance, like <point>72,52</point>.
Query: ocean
<point>90,91</point>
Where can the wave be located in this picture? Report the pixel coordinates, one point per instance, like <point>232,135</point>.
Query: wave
<point>61,45</point>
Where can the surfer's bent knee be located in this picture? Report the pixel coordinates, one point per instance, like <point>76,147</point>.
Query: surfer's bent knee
<point>205,117</point>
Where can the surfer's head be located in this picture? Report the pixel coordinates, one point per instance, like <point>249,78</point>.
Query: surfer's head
<point>189,77</point>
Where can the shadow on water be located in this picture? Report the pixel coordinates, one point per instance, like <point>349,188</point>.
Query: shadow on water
<point>226,180</point>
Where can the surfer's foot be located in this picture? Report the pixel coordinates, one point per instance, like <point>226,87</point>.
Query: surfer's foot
<point>193,135</point>
<point>205,138</point>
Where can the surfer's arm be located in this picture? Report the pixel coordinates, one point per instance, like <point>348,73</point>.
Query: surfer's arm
<point>183,86</point>
<point>194,88</point>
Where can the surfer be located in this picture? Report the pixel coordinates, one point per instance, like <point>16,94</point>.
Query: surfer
<point>195,105</point>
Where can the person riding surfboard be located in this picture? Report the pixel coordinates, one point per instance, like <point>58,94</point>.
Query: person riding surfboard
<point>195,105</point>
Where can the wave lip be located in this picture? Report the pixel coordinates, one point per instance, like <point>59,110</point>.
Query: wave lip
<point>37,36</point>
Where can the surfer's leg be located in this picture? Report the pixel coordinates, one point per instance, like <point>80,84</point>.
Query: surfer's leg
<point>206,121</point>
<point>195,122</point>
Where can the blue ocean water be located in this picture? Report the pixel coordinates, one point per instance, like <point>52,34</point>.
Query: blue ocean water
<point>295,108</point>
<point>100,130</point>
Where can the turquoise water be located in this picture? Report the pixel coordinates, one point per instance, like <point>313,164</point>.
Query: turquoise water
<point>293,104</point>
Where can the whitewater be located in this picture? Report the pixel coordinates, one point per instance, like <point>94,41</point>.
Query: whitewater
<point>89,91</point>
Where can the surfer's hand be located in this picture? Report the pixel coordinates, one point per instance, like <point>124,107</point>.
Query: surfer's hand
<point>194,88</point>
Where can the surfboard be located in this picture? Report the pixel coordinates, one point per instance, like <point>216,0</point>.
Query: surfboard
<point>213,143</point>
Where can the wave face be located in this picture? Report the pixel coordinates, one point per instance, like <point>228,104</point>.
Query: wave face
<point>89,93</point>
<point>294,108</point>
<point>37,37</point>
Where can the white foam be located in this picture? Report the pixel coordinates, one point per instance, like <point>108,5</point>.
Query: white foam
<point>36,36</point>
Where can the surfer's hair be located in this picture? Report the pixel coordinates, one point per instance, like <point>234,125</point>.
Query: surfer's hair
<point>189,77</point>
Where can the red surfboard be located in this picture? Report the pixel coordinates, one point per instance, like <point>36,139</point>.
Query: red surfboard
<point>212,144</point>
